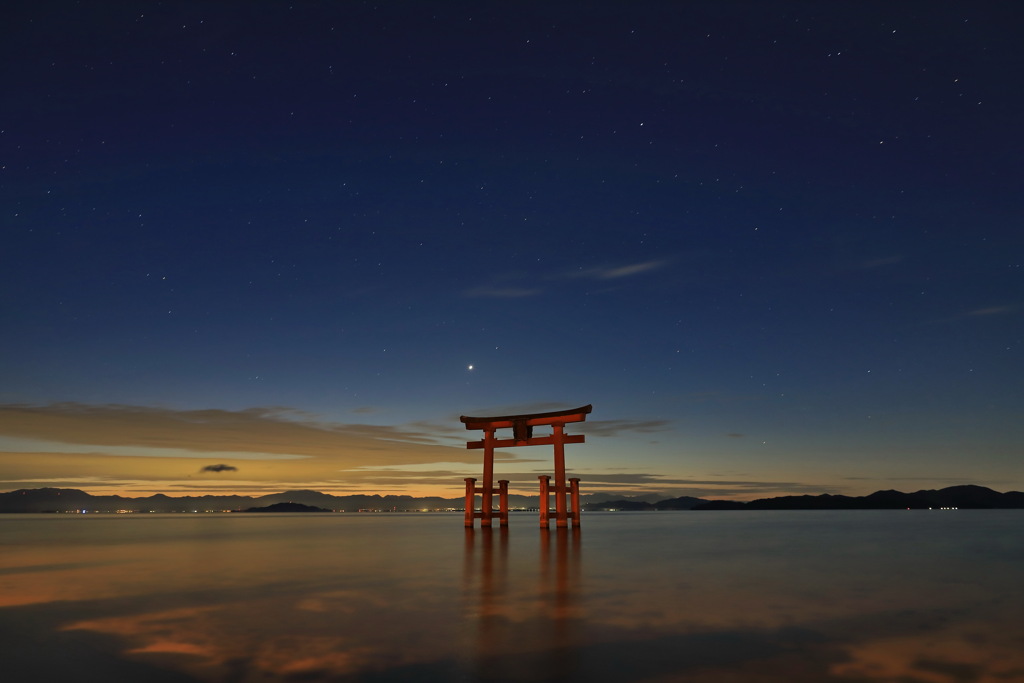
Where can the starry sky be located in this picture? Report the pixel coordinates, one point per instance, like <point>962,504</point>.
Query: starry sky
<point>251,247</point>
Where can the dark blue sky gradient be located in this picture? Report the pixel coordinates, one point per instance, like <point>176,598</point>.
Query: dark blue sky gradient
<point>776,244</point>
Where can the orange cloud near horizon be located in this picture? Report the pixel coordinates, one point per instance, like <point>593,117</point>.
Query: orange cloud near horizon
<point>138,451</point>
<point>130,450</point>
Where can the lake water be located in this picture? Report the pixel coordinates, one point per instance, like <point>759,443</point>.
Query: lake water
<point>740,597</point>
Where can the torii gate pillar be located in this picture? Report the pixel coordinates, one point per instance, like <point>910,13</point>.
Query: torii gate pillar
<point>522,435</point>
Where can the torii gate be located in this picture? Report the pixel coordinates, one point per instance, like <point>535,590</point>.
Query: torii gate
<point>522,435</point>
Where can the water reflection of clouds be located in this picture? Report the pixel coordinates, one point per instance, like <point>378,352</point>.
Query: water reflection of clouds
<point>275,637</point>
<point>228,641</point>
<point>393,598</point>
<point>977,653</point>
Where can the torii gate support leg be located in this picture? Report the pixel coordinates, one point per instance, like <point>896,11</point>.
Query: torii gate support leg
<point>561,520</point>
<point>487,490</point>
<point>545,501</point>
<point>470,501</point>
<point>574,492</point>
<point>503,502</point>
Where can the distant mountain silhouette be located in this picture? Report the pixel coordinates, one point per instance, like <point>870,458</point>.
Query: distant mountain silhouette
<point>633,505</point>
<point>74,500</point>
<point>616,505</point>
<point>682,503</point>
<point>967,496</point>
<point>287,507</point>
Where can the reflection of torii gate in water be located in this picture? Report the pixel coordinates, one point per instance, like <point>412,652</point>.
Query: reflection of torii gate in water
<point>522,435</point>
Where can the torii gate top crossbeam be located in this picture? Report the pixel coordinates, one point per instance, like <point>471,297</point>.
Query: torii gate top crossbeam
<point>522,427</point>
<point>530,419</point>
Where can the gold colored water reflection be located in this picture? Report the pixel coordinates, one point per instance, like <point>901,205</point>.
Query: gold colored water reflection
<point>560,574</point>
<point>485,571</point>
<point>526,627</point>
<point>391,599</point>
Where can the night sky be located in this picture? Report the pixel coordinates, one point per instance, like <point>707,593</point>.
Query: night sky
<point>777,245</point>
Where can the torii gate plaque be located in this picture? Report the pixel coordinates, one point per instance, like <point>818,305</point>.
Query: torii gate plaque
<point>522,435</point>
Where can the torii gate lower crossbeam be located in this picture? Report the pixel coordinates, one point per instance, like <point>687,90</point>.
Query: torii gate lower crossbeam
<point>522,435</point>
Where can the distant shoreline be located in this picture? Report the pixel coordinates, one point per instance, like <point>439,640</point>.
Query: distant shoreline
<point>56,500</point>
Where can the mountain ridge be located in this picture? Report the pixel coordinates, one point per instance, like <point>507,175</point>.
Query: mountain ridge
<point>967,496</point>
<point>52,499</point>
<point>74,500</point>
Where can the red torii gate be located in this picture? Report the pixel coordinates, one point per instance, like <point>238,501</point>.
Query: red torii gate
<point>522,435</point>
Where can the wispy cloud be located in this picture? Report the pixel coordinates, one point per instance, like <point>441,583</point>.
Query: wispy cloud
<point>992,310</point>
<point>158,446</point>
<point>139,450</point>
<point>365,410</point>
<point>977,313</point>
<point>615,272</point>
<point>219,468</point>
<point>617,427</point>
<point>253,430</point>
<point>646,482</point>
<point>503,292</point>
<point>512,286</point>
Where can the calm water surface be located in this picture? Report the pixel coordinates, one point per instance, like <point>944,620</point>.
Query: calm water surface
<point>869,596</point>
